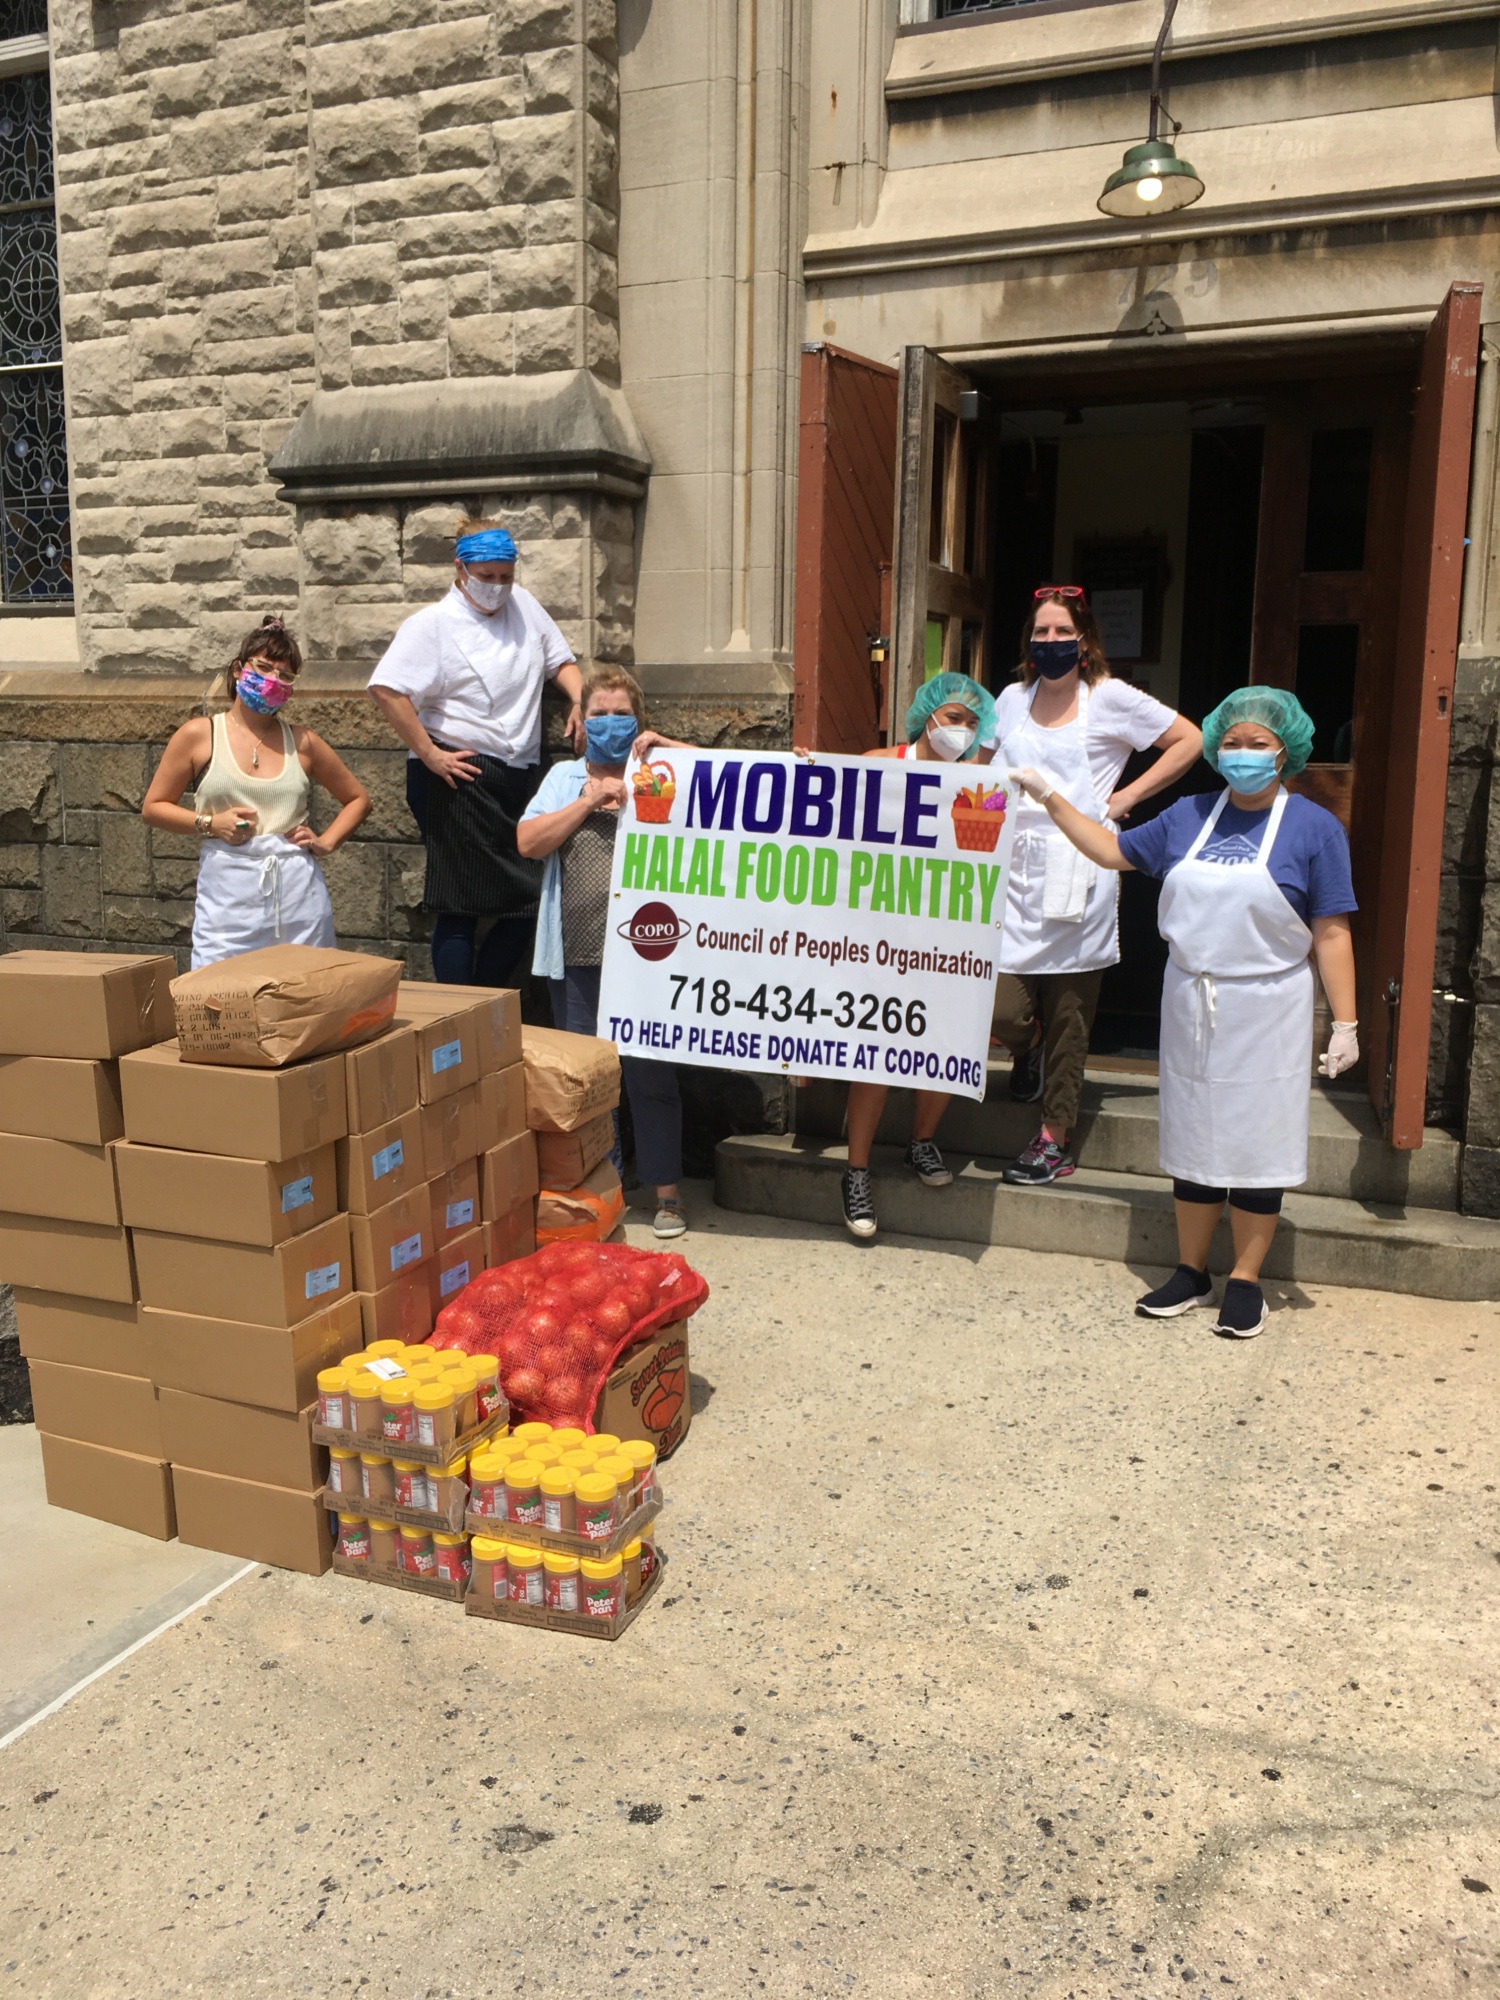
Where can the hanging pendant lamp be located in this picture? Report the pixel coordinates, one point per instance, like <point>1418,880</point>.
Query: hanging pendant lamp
<point>1152,180</point>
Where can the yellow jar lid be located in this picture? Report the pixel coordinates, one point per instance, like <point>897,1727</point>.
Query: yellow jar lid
<point>353,1361</point>
<point>527,1432</point>
<point>638,1452</point>
<point>330,1380</point>
<point>487,1364</point>
<point>507,1448</point>
<point>569,1438</point>
<point>433,1396</point>
<point>448,1541</point>
<point>451,1359</point>
<point>543,1454</point>
<point>366,1386</point>
<point>520,1556</point>
<point>557,1479</point>
<point>593,1487</point>
<point>351,1520</point>
<point>604,1442</point>
<point>486,1465</point>
<point>399,1391</point>
<point>522,1473</point>
<point>600,1566</point>
<point>373,1458</point>
<point>559,1565</point>
<point>578,1461</point>
<point>424,1367</point>
<point>456,1469</point>
<point>414,1534</point>
<point>631,1550</point>
<point>342,1451</point>
<point>379,1350</point>
<point>486,1549</point>
<point>620,1470</point>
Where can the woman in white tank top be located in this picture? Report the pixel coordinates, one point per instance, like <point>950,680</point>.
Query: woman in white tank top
<point>252,774</point>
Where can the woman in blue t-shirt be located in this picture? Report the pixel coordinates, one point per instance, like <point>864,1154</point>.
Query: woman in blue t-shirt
<point>1255,886</point>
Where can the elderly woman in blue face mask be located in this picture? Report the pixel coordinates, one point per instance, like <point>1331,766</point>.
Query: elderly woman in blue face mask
<point>461,685</point>
<point>571,825</point>
<point>1256,888</point>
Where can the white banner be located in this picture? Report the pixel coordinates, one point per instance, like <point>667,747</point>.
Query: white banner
<point>833,916</point>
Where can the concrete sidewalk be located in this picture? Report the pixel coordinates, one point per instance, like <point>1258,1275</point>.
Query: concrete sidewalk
<point>1010,1645</point>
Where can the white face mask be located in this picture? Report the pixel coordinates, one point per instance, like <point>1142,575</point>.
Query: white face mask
<point>486,596</point>
<point>952,741</point>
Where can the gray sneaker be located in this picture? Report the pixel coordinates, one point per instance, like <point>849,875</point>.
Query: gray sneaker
<point>671,1220</point>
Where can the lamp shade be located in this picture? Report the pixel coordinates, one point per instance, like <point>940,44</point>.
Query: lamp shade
<point>1152,181</point>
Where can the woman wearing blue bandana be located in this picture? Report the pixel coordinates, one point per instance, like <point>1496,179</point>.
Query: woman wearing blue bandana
<point>571,826</point>
<point>461,685</point>
<point>1255,889</point>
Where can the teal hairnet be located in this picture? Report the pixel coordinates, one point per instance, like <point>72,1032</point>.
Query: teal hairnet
<point>1274,709</point>
<point>937,693</point>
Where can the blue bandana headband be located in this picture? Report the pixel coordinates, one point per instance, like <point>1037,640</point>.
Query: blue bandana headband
<point>489,545</point>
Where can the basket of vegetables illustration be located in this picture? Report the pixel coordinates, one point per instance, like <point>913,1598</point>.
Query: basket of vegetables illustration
<point>654,787</point>
<point>978,815</point>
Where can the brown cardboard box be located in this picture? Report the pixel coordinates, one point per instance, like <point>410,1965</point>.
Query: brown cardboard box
<point>455,1202</point>
<point>502,1105</point>
<point>56,1177</point>
<point>119,1486</point>
<point>507,1175</point>
<point>563,1159</point>
<point>243,1517</point>
<point>56,1097</point>
<point>377,1166</point>
<point>224,1198</point>
<point>97,1408</point>
<point>283,1003</point>
<point>83,1003</point>
<point>496,1011</point>
<point>212,1434</point>
<point>84,1333</point>
<point>647,1394</point>
<point>380,1080</point>
<point>392,1239</point>
<point>450,1131</point>
<point>447,1051</point>
<point>255,1114</point>
<point>401,1310</point>
<point>511,1235</point>
<point>276,1286</point>
<point>92,1259</point>
<point>458,1264</point>
<point>587,1213</point>
<point>570,1079</point>
<point>273,1367</point>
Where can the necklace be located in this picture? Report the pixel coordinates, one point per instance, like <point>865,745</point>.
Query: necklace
<point>255,744</point>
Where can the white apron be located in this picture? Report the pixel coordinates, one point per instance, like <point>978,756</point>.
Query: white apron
<point>1236,1021</point>
<point>267,892</point>
<point>1061,912</point>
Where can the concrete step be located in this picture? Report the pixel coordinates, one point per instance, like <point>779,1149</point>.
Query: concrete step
<point>1323,1239</point>
<point>1346,1156</point>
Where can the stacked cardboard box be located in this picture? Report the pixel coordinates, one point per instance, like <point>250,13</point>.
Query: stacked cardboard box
<point>478,1152</point>
<point>65,1020</point>
<point>572,1091</point>
<point>228,1181</point>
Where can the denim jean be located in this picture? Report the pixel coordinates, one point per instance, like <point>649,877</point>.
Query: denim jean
<point>655,1104</point>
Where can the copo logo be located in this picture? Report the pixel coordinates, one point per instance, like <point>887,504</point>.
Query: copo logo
<point>655,930</point>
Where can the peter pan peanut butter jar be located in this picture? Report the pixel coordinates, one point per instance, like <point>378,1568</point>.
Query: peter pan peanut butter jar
<point>602,1586</point>
<point>488,1575</point>
<point>526,1576</point>
<point>595,1498</point>
<point>364,1404</point>
<point>560,1576</point>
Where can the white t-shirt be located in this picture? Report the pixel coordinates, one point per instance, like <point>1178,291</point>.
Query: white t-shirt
<point>1121,718</point>
<point>476,682</point>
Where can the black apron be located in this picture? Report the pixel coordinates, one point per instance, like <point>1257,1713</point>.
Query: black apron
<point>473,866</point>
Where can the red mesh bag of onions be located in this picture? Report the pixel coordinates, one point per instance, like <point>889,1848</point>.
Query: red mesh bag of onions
<point>557,1321</point>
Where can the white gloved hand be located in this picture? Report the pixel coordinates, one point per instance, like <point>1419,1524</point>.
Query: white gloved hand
<point>1343,1049</point>
<point>1035,784</point>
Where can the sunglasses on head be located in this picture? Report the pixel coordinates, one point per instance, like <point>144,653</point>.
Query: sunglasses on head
<point>1057,590</point>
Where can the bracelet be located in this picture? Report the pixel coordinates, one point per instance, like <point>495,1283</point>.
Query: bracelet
<point>203,824</point>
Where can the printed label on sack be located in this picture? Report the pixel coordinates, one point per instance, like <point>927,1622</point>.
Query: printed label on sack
<point>454,1280</point>
<point>406,1252</point>
<point>449,1056</point>
<point>324,1279</point>
<point>460,1214</point>
<point>296,1194</point>
<point>387,1160</point>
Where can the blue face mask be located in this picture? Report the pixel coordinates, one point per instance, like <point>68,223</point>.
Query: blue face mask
<point>1053,658</point>
<point>1247,771</point>
<point>609,737</point>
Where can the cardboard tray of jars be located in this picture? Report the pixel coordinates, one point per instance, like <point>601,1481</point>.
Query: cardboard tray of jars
<point>554,1539</point>
<point>579,1623</point>
<point>449,1523</point>
<point>416,1454</point>
<point>400,1579</point>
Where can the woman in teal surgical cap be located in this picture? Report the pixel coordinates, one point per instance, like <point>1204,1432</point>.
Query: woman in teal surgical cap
<point>949,720</point>
<point>1255,889</point>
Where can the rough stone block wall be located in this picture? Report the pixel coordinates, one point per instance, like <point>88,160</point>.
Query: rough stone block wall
<point>266,197</point>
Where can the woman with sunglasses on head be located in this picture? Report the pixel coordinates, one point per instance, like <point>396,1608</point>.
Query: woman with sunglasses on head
<point>1070,717</point>
<point>252,772</point>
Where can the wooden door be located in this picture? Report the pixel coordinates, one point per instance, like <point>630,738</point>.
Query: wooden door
<point>1400,1024</point>
<point>846,488</point>
<point>940,589</point>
